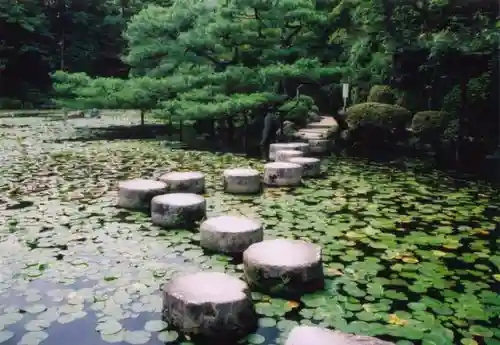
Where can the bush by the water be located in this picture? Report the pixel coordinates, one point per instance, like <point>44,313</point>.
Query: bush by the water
<point>382,94</point>
<point>430,123</point>
<point>374,114</point>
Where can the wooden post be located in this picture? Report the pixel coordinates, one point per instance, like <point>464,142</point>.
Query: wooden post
<point>181,129</point>
<point>245,135</point>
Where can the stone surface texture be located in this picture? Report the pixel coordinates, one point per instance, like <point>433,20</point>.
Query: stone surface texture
<point>184,182</point>
<point>209,304</point>
<point>285,155</point>
<point>309,335</point>
<point>137,194</point>
<point>178,210</point>
<point>230,234</point>
<point>242,181</point>
<point>311,165</point>
<point>282,174</point>
<point>273,148</point>
<point>284,265</point>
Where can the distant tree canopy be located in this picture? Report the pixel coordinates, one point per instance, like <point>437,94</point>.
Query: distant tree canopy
<point>200,59</point>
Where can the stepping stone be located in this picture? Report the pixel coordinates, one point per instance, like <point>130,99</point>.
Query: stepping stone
<point>184,182</point>
<point>178,210</point>
<point>209,304</point>
<point>319,145</point>
<point>242,181</point>
<point>307,335</point>
<point>284,155</point>
<point>137,194</point>
<point>230,234</point>
<point>273,148</point>
<point>284,266</point>
<point>281,174</point>
<point>311,165</point>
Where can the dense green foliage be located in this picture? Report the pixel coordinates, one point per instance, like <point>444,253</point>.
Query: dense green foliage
<point>430,123</point>
<point>381,94</point>
<point>376,114</point>
<point>200,60</point>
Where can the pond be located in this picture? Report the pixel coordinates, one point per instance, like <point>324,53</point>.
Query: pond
<point>409,257</point>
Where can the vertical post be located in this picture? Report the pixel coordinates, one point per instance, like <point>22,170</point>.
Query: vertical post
<point>181,129</point>
<point>212,131</point>
<point>245,134</point>
<point>345,94</point>
<point>464,80</point>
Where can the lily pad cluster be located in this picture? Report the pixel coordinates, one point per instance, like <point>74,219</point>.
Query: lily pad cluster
<point>409,257</point>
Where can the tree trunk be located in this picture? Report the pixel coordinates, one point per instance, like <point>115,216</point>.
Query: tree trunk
<point>142,117</point>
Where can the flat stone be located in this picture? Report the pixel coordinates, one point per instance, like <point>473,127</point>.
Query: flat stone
<point>307,335</point>
<point>311,165</point>
<point>284,265</point>
<point>137,194</point>
<point>282,174</point>
<point>209,304</point>
<point>184,182</point>
<point>273,148</point>
<point>178,210</point>
<point>319,145</point>
<point>242,181</point>
<point>230,234</point>
<point>285,155</point>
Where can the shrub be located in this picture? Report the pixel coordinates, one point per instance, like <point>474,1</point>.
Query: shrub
<point>382,94</point>
<point>430,123</point>
<point>372,114</point>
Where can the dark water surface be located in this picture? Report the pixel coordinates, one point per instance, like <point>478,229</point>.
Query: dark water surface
<point>410,257</point>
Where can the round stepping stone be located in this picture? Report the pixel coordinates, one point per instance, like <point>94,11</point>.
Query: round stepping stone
<point>242,181</point>
<point>184,182</point>
<point>181,210</point>
<point>285,155</point>
<point>284,265</point>
<point>137,194</point>
<point>319,145</point>
<point>209,304</point>
<point>282,174</point>
<point>273,148</point>
<point>306,335</point>
<point>230,234</point>
<point>311,165</point>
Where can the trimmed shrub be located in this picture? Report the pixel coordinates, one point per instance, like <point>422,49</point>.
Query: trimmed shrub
<point>372,114</point>
<point>430,122</point>
<point>382,94</point>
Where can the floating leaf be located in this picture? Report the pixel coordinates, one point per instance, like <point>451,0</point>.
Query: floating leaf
<point>256,339</point>
<point>109,327</point>
<point>137,337</point>
<point>168,336</point>
<point>155,326</point>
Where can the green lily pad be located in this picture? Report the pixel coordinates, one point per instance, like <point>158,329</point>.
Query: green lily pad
<point>168,336</point>
<point>256,339</point>
<point>155,326</point>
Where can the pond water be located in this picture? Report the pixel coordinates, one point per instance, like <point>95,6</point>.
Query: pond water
<point>409,257</point>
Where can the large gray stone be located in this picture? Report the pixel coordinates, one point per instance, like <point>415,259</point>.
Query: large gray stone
<point>285,155</point>
<point>282,174</point>
<point>284,265</point>
<point>137,194</point>
<point>181,210</point>
<point>273,148</point>
<point>230,234</point>
<point>311,165</point>
<point>242,181</point>
<point>309,335</point>
<point>184,182</point>
<point>210,304</point>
